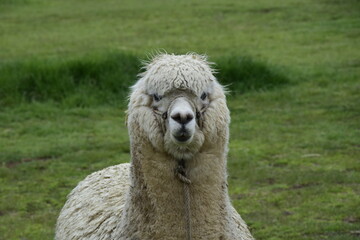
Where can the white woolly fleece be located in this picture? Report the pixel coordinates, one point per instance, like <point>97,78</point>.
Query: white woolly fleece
<point>144,200</point>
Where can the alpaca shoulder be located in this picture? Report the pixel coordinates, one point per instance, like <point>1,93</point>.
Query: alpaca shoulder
<point>239,229</point>
<point>95,205</point>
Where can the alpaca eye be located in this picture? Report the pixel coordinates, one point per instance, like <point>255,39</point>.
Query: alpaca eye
<point>157,97</point>
<point>203,96</point>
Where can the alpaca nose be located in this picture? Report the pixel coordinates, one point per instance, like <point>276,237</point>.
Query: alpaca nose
<point>182,117</point>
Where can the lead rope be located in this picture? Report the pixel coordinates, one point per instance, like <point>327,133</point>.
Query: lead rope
<point>181,175</point>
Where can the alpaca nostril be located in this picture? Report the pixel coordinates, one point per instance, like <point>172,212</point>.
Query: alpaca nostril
<point>182,118</point>
<point>176,117</point>
<point>189,117</point>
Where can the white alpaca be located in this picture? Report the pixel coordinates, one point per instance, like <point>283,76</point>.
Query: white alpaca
<point>175,186</point>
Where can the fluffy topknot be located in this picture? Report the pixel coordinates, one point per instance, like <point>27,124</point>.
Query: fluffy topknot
<point>166,72</point>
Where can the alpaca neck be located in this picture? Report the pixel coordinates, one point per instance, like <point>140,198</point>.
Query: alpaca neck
<point>155,208</point>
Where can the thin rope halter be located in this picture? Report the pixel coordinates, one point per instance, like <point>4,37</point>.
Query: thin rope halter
<point>180,173</point>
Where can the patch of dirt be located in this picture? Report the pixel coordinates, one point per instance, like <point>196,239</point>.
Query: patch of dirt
<point>271,181</point>
<point>287,213</point>
<point>238,196</point>
<point>303,185</point>
<point>351,219</point>
<point>264,10</point>
<point>24,160</point>
<point>356,233</point>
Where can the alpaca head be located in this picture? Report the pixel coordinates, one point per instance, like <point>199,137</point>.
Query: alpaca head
<point>179,105</point>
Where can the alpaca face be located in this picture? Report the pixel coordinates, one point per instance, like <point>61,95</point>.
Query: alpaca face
<point>180,112</point>
<point>179,106</point>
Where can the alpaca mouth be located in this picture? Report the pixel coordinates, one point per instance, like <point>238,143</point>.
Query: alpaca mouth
<point>182,136</point>
<point>182,139</point>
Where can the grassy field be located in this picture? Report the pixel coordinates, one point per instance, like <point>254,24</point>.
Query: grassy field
<point>294,73</point>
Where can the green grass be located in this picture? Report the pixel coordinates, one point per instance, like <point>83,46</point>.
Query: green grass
<point>292,68</point>
<point>297,173</point>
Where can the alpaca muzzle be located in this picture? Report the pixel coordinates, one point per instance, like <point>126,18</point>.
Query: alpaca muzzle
<point>182,124</point>
<point>181,116</point>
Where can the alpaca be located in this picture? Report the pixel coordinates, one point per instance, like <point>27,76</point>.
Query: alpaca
<point>176,184</point>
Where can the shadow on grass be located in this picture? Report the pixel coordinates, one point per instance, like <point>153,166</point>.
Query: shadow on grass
<point>242,74</point>
<point>105,79</point>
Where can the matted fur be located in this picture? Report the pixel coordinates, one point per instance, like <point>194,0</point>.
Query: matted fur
<point>144,199</point>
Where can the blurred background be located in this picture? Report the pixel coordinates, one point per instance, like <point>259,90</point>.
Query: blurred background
<point>292,68</point>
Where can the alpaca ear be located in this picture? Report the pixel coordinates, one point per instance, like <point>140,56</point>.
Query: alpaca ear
<point>138,96</point>
<point>219,91</point>
<point>217,117</point>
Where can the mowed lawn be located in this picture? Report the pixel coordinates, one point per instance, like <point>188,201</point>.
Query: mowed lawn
<point>294,160</point>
